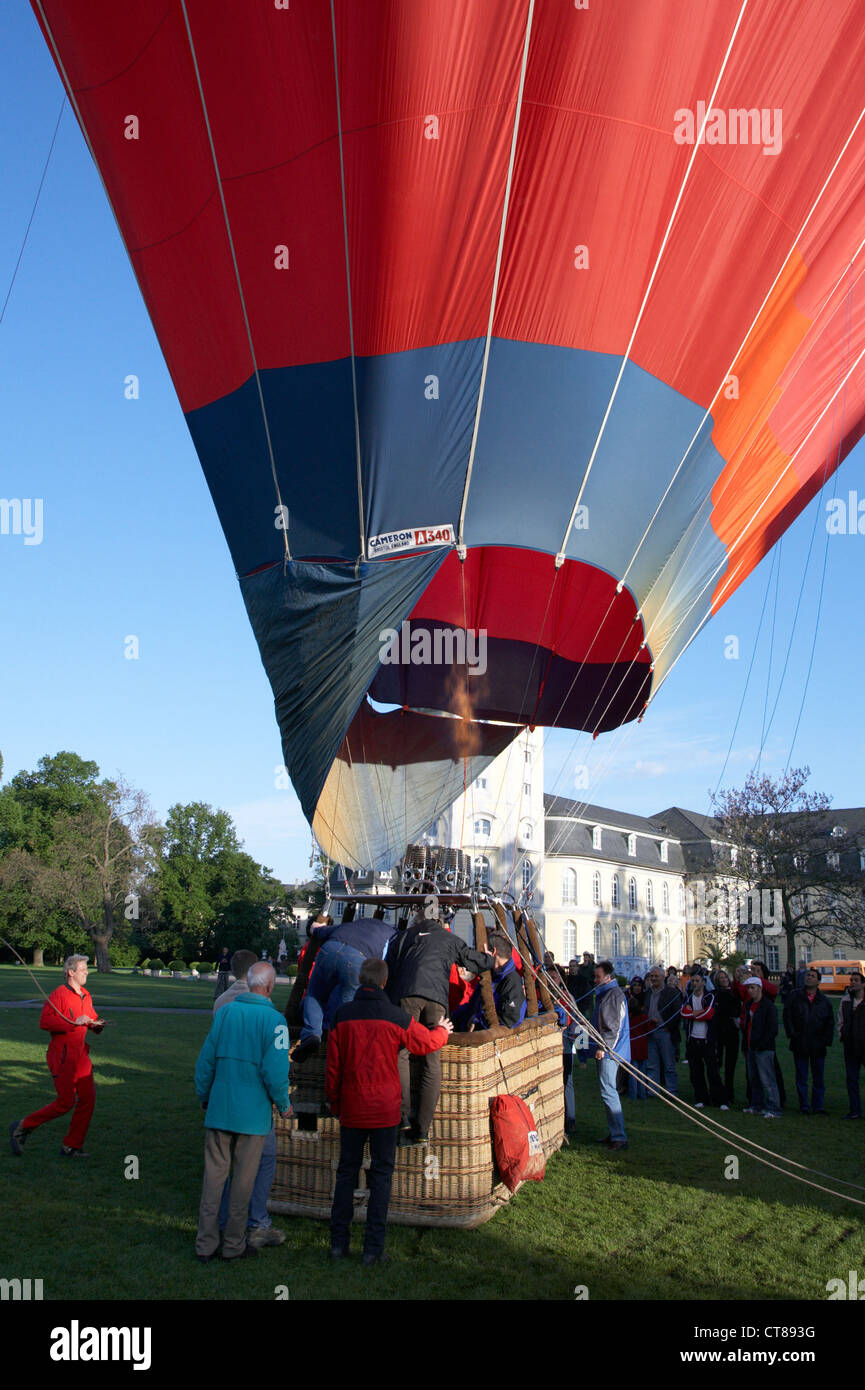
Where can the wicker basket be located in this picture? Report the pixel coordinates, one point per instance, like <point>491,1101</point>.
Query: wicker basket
<point>453,1181</point>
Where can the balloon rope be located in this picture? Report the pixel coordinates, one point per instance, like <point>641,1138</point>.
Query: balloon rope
<point>713,1127</point>
<point>8,944</point>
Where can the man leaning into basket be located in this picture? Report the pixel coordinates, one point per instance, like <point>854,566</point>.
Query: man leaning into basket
<point>420,960</point>
<point>364,1092</point>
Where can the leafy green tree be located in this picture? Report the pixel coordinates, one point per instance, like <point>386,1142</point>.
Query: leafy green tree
<point>210,893</point>
<point>31,807</point>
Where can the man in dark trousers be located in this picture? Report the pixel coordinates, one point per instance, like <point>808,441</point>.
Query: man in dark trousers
<point>809,1023</point>
<point>67,1014</point>
<point>851,1031</point>
<point>364,1092</point>
<point>420,960</point>
<point>760,1028</point>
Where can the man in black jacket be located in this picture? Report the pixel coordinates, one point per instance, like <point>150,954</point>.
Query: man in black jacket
<point>808,1023</point>
<point>761,1030</point>
<point>419,963</point>
<point>509,996</point>
<point>851,1031</point>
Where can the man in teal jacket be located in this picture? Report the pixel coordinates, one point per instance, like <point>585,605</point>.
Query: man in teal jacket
<point>241,1072</point>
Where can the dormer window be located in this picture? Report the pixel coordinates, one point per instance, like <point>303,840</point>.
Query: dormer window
<point>665,852</point>
<point>596,838</point>
<point>833,860</point>
<point>482,827</point>
<point>632,845</point>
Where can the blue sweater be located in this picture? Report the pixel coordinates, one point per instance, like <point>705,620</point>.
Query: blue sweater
<point>242,1069</point>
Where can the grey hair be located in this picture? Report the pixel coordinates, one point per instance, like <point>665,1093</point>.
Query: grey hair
<point>260,974</point>
<point>72,962</point>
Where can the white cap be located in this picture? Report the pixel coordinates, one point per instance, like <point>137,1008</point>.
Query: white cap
<point>754,980</point>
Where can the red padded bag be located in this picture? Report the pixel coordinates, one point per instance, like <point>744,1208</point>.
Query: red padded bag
<point>519,1151</point>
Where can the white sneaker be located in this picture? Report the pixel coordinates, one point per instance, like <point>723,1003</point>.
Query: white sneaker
<point>770,1115</point>
<point>725,1107</point>
<point>699,1105</point>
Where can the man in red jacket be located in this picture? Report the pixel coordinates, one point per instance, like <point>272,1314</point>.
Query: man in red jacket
<point>67,1014</point>
<point>364,1092</point>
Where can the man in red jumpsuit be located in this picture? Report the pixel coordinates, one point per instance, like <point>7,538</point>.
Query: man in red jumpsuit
<point>67,1015</point>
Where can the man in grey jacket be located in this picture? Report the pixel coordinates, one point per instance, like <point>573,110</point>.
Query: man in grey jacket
<point>610,1019</point>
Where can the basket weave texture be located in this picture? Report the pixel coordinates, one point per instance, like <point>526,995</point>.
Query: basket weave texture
<point>453,1181</point>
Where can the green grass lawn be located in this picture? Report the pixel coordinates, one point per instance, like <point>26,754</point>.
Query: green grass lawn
<point>120,987</point>
<point>659,1221</point>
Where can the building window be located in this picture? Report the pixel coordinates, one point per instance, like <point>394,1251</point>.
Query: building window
<point>650,896</point>
<point>527,788</point>
<point>681,948</point>
<point>772,958</point>
<point>667,960</point>
<point>837,955</point>
<point>665,852</point>
<point>616,939</point>
<point>528,757</point>
<point>633,941</point>
<point>596,888</point>
<point>650,945</point>
<point>734,855</point>
<point>681,899</point>
<point>482,826</point>
<point>665,901</point>
<point>615,901</point>
<point>482,871</point>
<point>527,875</point>
<point>862,860</point>
<point>833,860</point>
<point>596,941</point>
<point>481,783</point>
<point>527,830</point>
<point>632,894</point>
<point>596,838</point>
<point>569,940</point>
<point>632,845</point>
<point>807,953</point>
<point>569,887</point>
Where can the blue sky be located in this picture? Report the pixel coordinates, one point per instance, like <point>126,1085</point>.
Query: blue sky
<point>132,547</point>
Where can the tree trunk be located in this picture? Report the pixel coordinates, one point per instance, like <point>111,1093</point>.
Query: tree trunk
<point>103,960</point>
<point>789,931</point>
<point>38,954</point>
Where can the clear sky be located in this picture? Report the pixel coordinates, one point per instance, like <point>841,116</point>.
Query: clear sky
<point>132,548</point>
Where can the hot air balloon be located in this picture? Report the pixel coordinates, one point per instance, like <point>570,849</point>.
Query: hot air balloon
<point>533,321</point>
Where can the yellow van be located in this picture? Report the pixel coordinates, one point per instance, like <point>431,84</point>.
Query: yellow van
<point>835,974</point>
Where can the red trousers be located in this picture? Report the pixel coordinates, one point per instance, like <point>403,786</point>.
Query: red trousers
<point>74,1086</point>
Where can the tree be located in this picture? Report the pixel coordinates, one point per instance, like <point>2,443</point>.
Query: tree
<point>794,866</point>
<point>31,806</point>
<point>210,892</point>
<point>89,871</point>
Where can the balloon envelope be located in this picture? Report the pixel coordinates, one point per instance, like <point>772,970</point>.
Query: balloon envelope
<point>523,321</point>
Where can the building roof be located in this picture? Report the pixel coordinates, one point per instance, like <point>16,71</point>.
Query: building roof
<point>568,829</point>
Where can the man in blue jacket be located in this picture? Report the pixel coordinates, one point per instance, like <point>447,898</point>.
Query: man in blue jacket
<point>335,976</point>
<point>241,1072</point>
